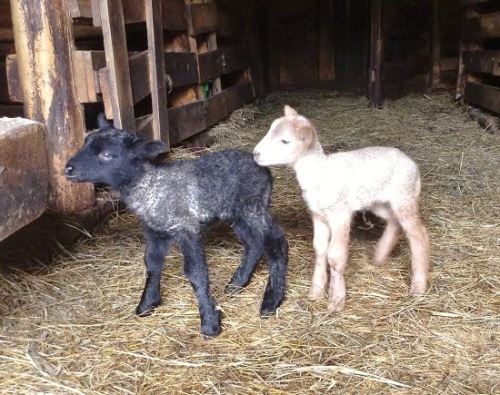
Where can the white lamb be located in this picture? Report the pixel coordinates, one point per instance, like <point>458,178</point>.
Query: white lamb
<point>380,179</point>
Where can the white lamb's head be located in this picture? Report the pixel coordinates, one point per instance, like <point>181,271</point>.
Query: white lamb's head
<point>288,138</point>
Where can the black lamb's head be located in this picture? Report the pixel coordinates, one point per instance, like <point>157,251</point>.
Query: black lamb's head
<point>111,156</point>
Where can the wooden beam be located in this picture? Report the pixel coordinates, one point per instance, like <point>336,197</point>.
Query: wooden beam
<point>255,52</point>
<point>376,54</point>
<point>482,27</point>
<point>487,62</point>
<point>485,96</point>
<point>115,44</point>
<point>326,60</point>
<point>186,121</point>
<point>48,87</point>
<point>202,18</point>
<point>234,58</point>
<point>154,24</point>
<point>210,65</point>
<point>182,68</point>
<point>212,46</point>
<point>467,16</point>
<point>24,177</point>
<point>13,79</point>
<point>436,45</point>
<point>173,15</point>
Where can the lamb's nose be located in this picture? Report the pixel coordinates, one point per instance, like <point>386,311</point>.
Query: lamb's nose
<point>68,170</point>
<point>256,155</point>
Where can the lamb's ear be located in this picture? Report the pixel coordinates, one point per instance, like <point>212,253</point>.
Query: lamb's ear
<point>149,149</point>
<point>289,111</point>
<point>307,135</point>
<point>102,122</point>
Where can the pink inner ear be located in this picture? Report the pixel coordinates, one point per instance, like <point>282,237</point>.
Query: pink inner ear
<point>289,111</point>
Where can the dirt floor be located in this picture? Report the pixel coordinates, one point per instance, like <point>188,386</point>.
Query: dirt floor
<point>69,327</point>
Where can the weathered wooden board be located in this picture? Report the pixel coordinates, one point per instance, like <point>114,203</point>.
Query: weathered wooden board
<point>215,108</point>
<point>173,15</point>
<point>181,68</point>
<point>24,176</point>
<point>201,18</point>
<point>13,81</point>
<point>487,62</point>
<point>238,95</point>
<point>156,64</point>
<point>52,101</point>
<point>485,96</point>
<point>115,44</point>
<point>326,64</point>
<point>234,58</point>
<point>186,121</point>
<point>482,27</point>
<point>211,65</point>
<point>86,65</point>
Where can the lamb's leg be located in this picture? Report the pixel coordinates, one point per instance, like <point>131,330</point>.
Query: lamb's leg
<point>276,247</point>
<point>157,245</point>
<point>320,244</point>
<point>196,270</point>
<point>418,238</point>
<point>337,255</point>
<point>389,238</point>
<point>254,248</point>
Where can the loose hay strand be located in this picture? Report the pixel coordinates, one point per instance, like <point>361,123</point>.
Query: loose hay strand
<point>70,326</point>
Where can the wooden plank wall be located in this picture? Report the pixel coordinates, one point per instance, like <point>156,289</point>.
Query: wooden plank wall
<point>406,35</point>
<point>155,66</point>
<point>479,70</point>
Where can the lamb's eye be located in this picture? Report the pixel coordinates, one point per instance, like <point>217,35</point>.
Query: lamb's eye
<point>285,141</point>
<point>106,155</point>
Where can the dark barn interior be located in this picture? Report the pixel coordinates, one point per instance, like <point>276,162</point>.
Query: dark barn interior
<point>208,75</point>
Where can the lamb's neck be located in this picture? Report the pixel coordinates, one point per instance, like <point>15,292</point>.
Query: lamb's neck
<point>308,168</point>
<point>140,182</point>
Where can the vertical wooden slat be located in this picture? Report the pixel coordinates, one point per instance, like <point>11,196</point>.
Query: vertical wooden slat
<point>250,20</point>
<point>436,45</point>
<point>212,46</point>
<point>376,54</point>
<point>326,62</point>
<point>154,24</point>
<point>465,45</point>
<point>44,43</point>
<point>115,44</point>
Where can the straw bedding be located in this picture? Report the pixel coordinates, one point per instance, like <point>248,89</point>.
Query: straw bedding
<point>70,327</point>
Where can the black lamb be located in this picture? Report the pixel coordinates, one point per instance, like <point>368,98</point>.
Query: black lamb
<point>176,200</point>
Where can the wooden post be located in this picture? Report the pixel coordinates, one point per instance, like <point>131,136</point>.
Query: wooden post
<point>465,44</point>
<point>376,53</point>
<point>156,60</point>
<point>115,44</point>
<point>44,43</point>
<point>436,45</point>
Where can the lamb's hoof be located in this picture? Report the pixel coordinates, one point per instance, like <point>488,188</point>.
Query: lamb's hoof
<point>336,305</point>
<point>268,307</point>
<point>232,289</point>
<point>316,294</point>
<point>210,326</point>
<point>379,262</point>
<point>144,310</point>
<point>418,288</point>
